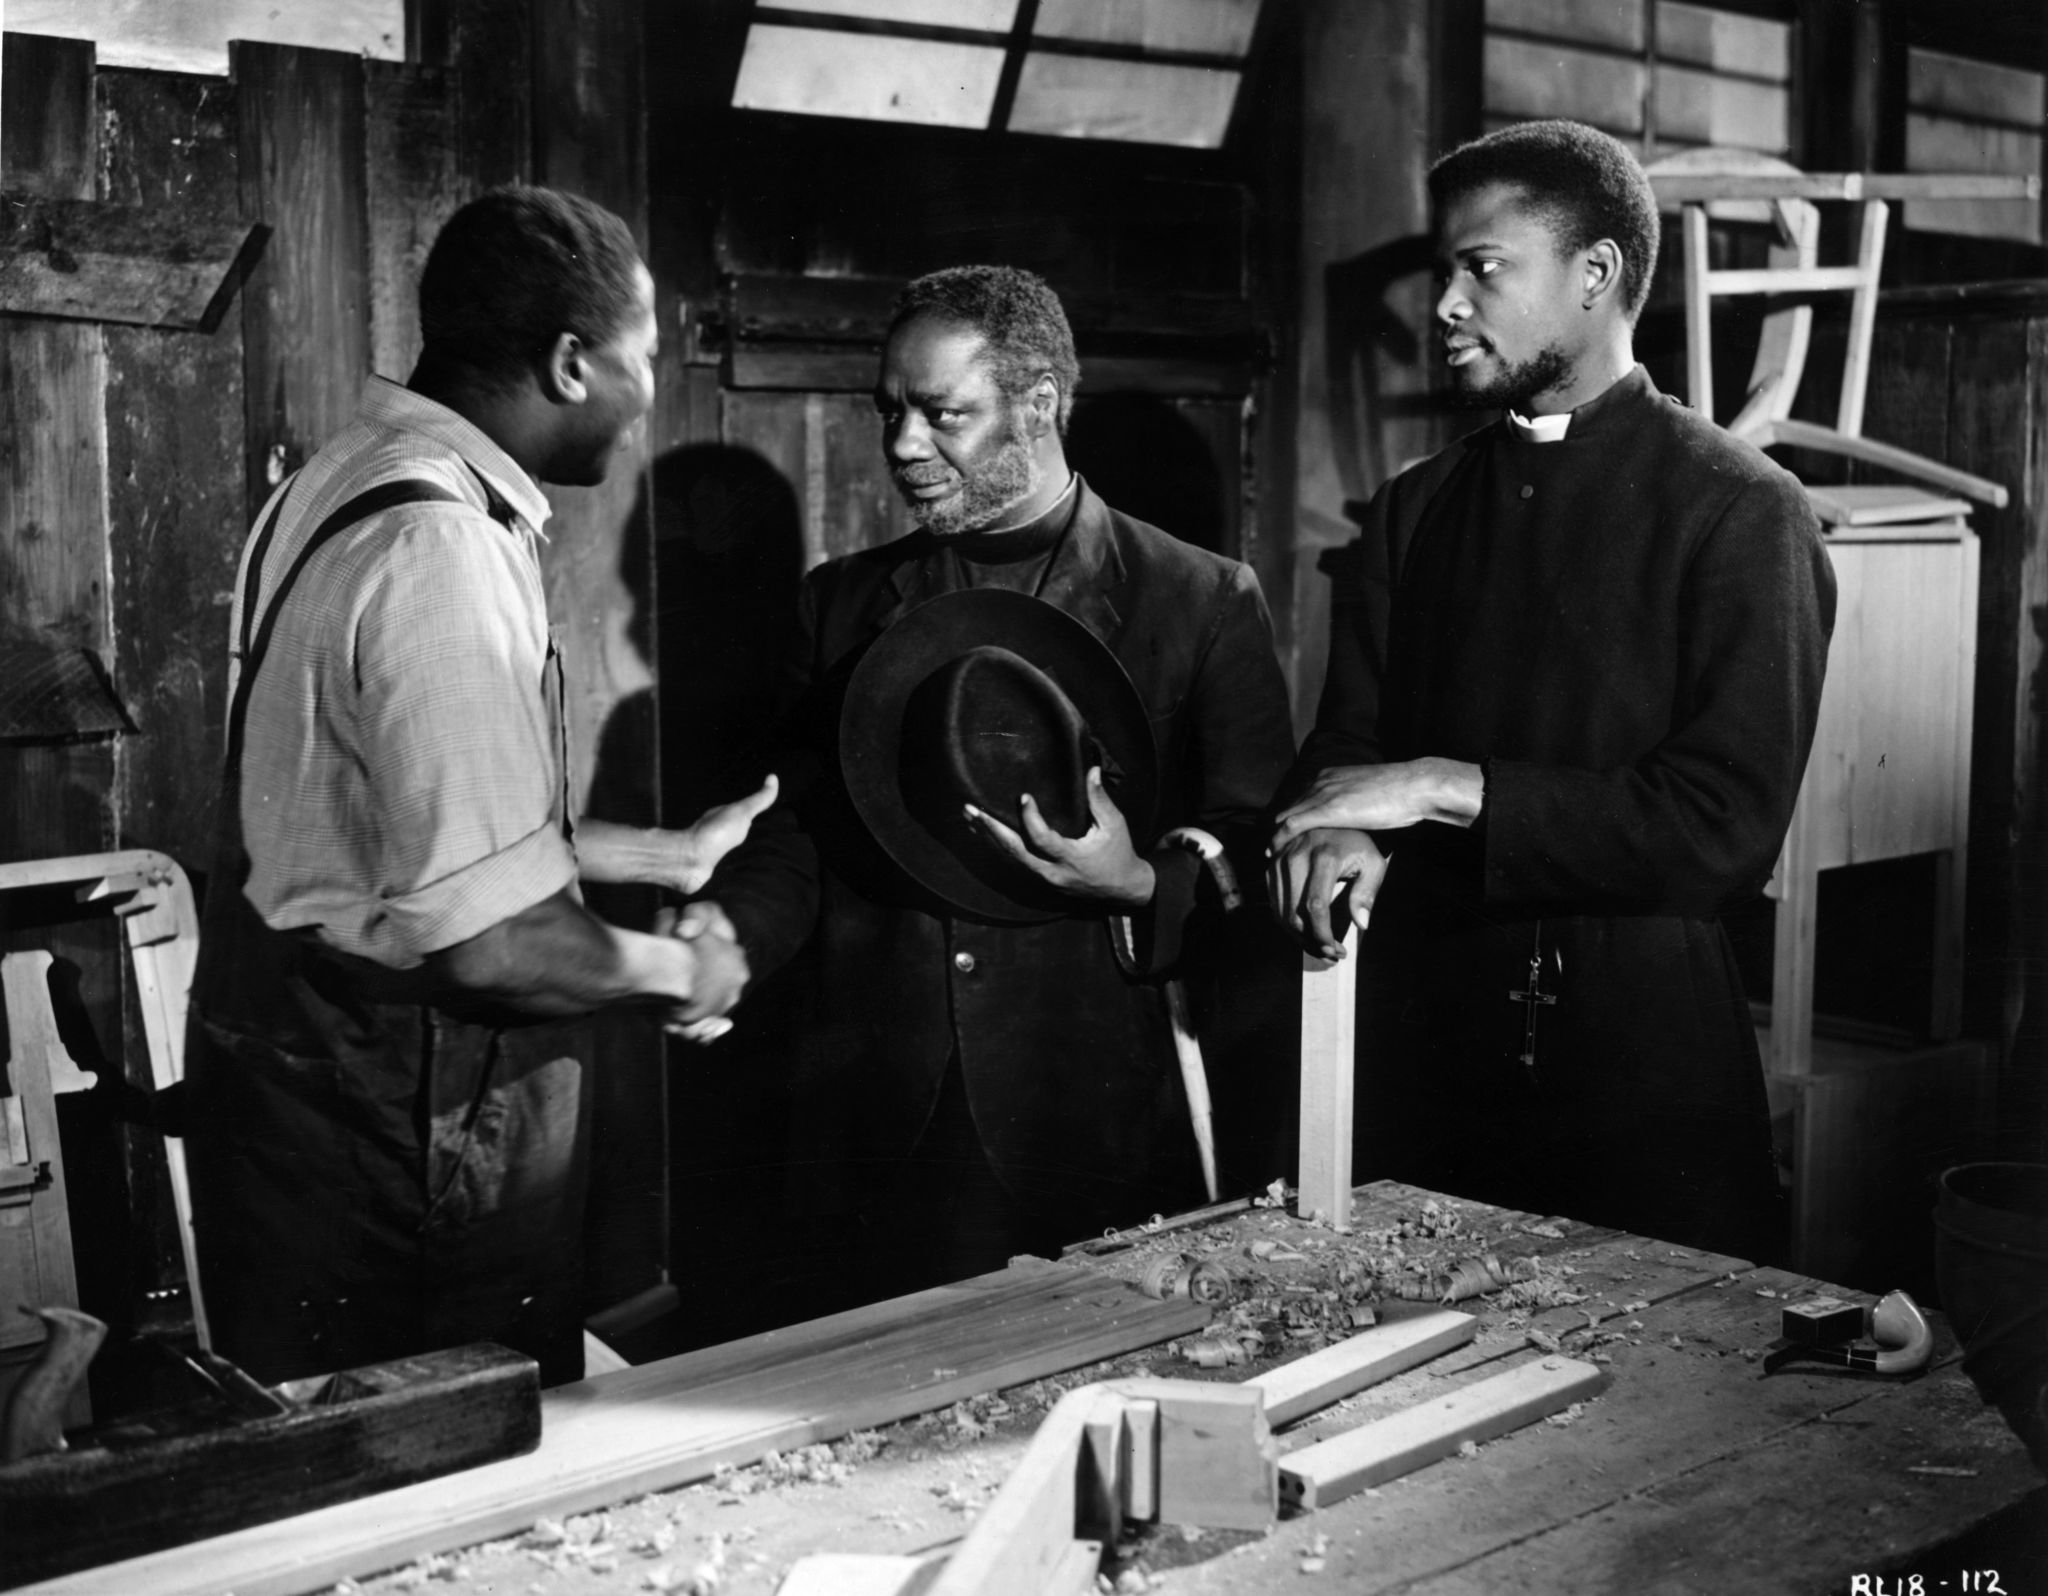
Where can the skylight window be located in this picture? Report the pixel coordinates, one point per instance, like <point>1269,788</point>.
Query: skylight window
<point>1137,71</point>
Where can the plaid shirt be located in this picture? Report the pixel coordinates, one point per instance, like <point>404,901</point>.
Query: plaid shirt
<point>404,765</point>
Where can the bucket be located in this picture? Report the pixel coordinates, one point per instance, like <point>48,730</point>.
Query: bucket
<point>1991,1259</point>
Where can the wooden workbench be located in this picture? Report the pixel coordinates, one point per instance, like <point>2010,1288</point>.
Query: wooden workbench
<point>1692,1472</point>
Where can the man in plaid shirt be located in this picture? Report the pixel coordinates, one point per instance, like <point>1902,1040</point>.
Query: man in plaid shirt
<point>385,1148</point>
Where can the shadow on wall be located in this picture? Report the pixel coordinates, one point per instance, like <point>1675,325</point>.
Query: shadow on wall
<point>1146,459</point>
<point>728,554</point>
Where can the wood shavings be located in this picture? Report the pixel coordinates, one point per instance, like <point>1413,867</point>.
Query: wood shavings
<point>1276,1195</point>
<point>1571,1415</point>
<point>1316,1558</point>
<point>1941,1471</point>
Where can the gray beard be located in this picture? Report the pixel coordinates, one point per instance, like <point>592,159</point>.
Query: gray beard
<point>1008,479</point>
<point>1514,386</point>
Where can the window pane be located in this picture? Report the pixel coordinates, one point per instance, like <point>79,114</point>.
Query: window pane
<point>877,79</point>
<point>1973,88</point>
<point>192,35</point>
<point>1699,108</point>
<point>1722,40</point>
<point>1937,144</point>
<point>1207,27</point>
<point>1531,80</point>
<point>1617,24</point>
<point>994,15</point>
<point>1082,97</point>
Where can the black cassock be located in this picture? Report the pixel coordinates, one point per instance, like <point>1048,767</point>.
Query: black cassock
<point>1628,629</point>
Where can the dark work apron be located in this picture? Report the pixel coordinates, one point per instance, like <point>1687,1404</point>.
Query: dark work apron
<point>378,1169</point>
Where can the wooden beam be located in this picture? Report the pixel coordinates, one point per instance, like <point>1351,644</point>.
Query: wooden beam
<point>1682,187</point>
<point>1329,1015</point>
<point>1385,1449</point>
<point>305,322</point>
<point>145,265</point>
<point>1299,1388</point>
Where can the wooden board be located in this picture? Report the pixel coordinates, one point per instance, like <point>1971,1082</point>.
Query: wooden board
<point>1320,1378</point>
<point>1329,1014</point>
<point>54,488</point>
<point>177,513</point>
<point>1385,1449</point>
<point>206,1472</point>
<point>305,313</point>
<point>666,1423</point>
<point>88,260</point>
<point>1215,1452</point>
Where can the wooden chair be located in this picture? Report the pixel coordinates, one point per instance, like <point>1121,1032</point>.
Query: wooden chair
<point>1741,185</point>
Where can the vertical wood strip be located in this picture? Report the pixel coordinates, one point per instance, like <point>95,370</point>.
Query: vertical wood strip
<point>54,562</point>
<point>305,322</point>
<point>413,185</point>
<point>176,512</point>
<point>1329,1065</point>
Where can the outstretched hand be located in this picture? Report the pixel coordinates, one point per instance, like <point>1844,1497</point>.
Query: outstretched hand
<point>1101,863</point>
<point>1312,874</point>
<point>718,831</point>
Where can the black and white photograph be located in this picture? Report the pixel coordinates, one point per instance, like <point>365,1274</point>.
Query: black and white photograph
<point>1023,797</point>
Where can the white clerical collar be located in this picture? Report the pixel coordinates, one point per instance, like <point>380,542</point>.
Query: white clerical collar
<point>1540,429</point>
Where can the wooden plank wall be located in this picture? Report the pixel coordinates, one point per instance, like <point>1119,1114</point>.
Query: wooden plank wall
<point>54,562</point>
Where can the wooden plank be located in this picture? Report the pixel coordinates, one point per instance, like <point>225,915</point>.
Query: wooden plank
<point>87,260</point>
<point>414,184</point>
<point>176,493</point>
<point>1862,318</point>
<point>53,508</point>
<point>667,1423</point>
<point>1386,1449</point>
<point>1329,1015</point>
<point>1682,187</point>
<point>771,307</point>
<point>1315,1381</point>
<point>1699,314</point>
<point>1140,1464</point>
<point>1786,280</point>
<point>1215,1452</point>
<point>177,512</point>
<point>305,312</point>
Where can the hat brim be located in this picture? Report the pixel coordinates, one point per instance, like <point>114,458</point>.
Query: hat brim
<point>953,864</point>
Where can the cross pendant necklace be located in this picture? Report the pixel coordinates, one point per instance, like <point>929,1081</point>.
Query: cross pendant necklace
<point>1533,999</point>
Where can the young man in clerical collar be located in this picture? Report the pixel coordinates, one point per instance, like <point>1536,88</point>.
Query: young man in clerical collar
<point>1575,664</point>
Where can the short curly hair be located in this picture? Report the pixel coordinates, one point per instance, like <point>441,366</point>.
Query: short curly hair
<point>518,266</point>
<point>1015,311</point>
<point>1586,186</point>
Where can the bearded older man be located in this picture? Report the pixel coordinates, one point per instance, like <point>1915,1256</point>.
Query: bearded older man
<point>986,1058</point>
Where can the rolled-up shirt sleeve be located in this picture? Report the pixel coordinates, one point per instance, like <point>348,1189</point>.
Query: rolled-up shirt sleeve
<point>457,724</point>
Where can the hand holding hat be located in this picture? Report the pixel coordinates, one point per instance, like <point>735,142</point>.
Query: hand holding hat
<point>1100,863</point>
<point>998,752</point>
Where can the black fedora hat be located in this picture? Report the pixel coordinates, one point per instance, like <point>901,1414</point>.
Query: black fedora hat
<point>979,697</point>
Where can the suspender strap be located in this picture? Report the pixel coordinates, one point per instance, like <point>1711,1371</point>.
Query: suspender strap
<point>256,636</point>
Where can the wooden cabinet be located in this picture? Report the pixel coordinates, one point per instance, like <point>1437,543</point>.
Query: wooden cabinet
<point>1889,777</point>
